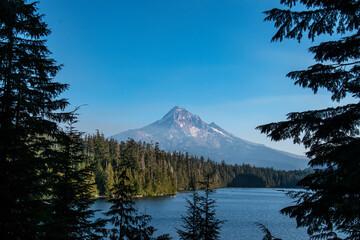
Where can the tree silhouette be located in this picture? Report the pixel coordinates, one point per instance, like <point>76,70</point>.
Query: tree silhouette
<point>330,202</point>
<point>200,221</point>
<point>127,223</point>
<point>30,111</point>
<point>123,212</point>
<point>70,191</point>
<point>192,221</point>
<point>210,227</point>
<point>266,231</point>
<point>191,228</point>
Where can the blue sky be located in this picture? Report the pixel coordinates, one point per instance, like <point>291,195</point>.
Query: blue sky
<point>131,61</point>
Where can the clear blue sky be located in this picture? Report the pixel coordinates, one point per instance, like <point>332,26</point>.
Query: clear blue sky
<point>131,61</point>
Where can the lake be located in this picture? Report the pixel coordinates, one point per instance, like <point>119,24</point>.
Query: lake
<point>240,207</point>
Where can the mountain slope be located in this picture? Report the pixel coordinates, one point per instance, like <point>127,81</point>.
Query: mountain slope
<point>180,130</point>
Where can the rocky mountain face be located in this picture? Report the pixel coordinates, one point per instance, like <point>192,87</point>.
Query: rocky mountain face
<point>180,130</point>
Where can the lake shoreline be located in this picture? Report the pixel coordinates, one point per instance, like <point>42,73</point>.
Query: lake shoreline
<point>188,191</point>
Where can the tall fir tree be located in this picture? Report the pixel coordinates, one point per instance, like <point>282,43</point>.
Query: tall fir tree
<point>123,214</point>
<point>331,201</point>
<point>192,221</point>
<point>210,227</point>
<point>109,184</point>
<point>70,192</point>
<point>200,222</point>
<point>30,111</point>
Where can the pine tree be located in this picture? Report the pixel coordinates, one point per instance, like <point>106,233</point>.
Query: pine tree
<point>331,201</point>
<point>70,192</point>
<point>200,221</point>
<point>91,180</point>
<point>191,228</point>
<point>123,214</point>
<point>210,224</point>
<point>30,111</point>
<point>122,211</point>
<point>192,221</point>
<point>109,184</point>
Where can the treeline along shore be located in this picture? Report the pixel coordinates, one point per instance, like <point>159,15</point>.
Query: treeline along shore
<point>154,172</point>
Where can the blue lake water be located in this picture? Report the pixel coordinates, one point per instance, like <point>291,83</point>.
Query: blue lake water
<point>240,207</point>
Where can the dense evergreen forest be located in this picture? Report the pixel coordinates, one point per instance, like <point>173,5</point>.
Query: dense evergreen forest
<point>155,172</point>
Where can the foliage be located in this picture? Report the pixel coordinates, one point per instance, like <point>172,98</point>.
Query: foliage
<point>266,231</point>
<point>70,192</point>
<point>210,224</point>
<point>331,200</point>
<point>45,190</point>
<point>122,211</point>
<point>127,223</point>
<point>192,220</point>
<point>30,111</point>
<point>109,183</point>
<point>200,221</point>
<point>156,172</point>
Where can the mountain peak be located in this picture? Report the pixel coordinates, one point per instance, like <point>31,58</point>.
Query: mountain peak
<point>178,108</point>
<point>175,110</point>
<point>179,115</point>
<point>183,131</point>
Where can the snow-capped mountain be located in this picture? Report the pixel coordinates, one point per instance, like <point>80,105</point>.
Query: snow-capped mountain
<point>180,130</point>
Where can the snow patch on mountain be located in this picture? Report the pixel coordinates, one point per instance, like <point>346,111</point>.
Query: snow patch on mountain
<point>194,131</point>
<point>214,129</point>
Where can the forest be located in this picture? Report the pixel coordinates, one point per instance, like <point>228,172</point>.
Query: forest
<point>154,172</point>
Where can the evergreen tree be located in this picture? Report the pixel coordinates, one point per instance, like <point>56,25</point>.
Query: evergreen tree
<point>109,184</point>
<point>122,211</point>
<point>70,192</point>
<point>92,182</point>
<point>210,224</point>
<point>30,111</point>
<point>168,173</point>
<point>200,223</point>
<point>331,201</point>
<point>100,179</point>
<point>123,214</point>
<point>192,221</point>
<point>191,228</point>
